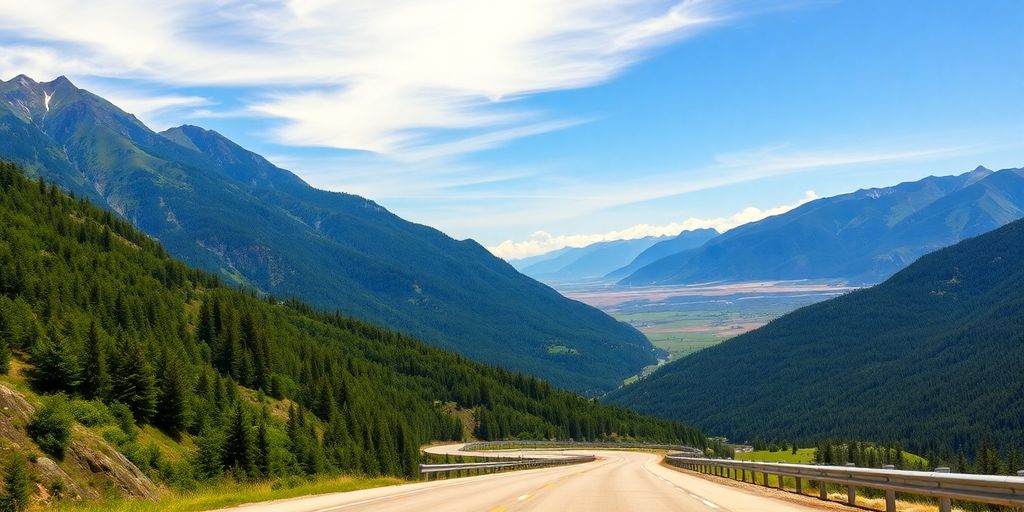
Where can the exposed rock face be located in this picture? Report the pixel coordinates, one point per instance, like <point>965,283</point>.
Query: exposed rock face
<point>102,459</point>
<point>88,457</point>
<point>49,471</point>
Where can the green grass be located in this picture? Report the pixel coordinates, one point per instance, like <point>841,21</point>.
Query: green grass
<point>806,456</point>
<point>562,349</point>
<point>230,495</point>
<point>802,456</point>
<point>682,333</point>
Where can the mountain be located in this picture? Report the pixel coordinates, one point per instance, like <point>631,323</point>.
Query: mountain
<point>589,262</point>
<point>522,263</point>
<point>217,206</point>
<point>930,358</point>
<point>683,242</point>
<point>115,358</point>
<point>865,236</point>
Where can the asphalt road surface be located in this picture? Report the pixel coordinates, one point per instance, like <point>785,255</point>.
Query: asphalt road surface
<point>617,481</point>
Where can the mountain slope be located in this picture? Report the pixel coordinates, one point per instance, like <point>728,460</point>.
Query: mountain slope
<point>864,236</point>
<point>589,262</point>
<point>91,307</point>
<point>220,207</point>
<point>522,263</point>
<point>684,241</point>
<point>930,358</point>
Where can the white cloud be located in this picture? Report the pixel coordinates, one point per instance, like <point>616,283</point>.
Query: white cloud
<point>542,242</point>
<point>401,77</point>
<point>149,108</point>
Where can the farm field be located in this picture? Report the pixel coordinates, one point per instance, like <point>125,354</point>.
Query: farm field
<point>685,319</point>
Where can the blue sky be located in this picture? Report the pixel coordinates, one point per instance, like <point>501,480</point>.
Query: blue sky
<point>530,125</point>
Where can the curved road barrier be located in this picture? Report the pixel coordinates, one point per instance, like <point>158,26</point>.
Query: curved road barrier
<point>469,468</point>
<point>941,484</point>
<point>505,462</point>
<point>573,445</point>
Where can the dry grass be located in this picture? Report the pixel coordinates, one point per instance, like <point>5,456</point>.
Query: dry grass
<point>230,495</point>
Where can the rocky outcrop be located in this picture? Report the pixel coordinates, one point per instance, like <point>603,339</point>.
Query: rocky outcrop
<point>101,459</point>
<point>89,462</point>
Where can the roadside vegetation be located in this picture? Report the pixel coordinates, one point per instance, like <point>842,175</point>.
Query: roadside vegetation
<point>229,493</point>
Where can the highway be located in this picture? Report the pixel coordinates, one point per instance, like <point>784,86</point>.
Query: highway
<point>616,481</point>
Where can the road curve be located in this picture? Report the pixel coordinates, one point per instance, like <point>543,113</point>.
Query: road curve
<point>616,481</point>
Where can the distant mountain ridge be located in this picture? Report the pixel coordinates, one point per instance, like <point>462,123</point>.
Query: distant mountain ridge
<point>589,262</point>
<point>864,236</point>
<point>931,359</point>
<point>684,241</point>
<point>218,206</point>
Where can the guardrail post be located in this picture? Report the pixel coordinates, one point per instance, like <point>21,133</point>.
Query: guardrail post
<point>890,495</point>
<point>765,479</point>
<point>945,504</point>
<point>851,491</point>
<point>799,485</point>
<point>823,490</point>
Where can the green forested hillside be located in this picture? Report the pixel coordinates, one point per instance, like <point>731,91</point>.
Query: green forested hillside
<point>99,311</point>
<point>933,359</point>
<point>217,206</point>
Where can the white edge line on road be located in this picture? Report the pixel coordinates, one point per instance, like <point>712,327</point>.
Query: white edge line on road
<point>706,502</point>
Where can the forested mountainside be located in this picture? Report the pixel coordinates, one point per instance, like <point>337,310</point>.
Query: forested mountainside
<point>931,359</point>
<point>256,387</point>
<point>865,236</point>
<point>217,206</point>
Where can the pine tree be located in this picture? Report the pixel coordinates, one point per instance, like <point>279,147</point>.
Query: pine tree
<point>210,453</point>
<point>173,411</point>
<point>5,354</point>
<point>387,453</point>
<point>1013,462</point>
<point>240,444</point>
<point>134,383</point>
<point>56,366</point>
<point>263,446</point>
<point>96,376</point>
<point>409,452</point>
<point>17,483</point>
<point>206,330</point>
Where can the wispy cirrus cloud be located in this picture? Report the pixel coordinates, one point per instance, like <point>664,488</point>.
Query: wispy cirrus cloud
<point>542,242</point>
<point>408,78</point>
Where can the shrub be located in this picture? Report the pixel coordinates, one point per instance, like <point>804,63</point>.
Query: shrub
<point>125,419</point>
<point>51,426</point>
<point>91,413</point>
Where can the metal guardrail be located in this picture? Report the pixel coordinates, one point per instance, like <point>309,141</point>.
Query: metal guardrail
<point>518,462</point>
<point>490,467</point>
<point>573,445</point>
<point>941,484</point>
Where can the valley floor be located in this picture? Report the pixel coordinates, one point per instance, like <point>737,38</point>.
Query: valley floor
<point>682,319</point>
